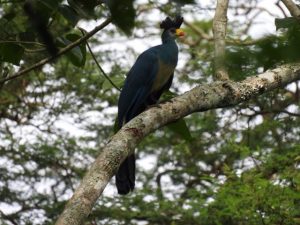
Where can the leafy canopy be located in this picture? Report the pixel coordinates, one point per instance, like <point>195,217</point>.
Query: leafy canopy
<point>237,165</point>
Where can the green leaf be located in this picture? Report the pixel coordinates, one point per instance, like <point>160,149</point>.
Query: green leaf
<point>76,55</point>
<point>70,14</point>
<point>118,81</point>
<point>50,4</point>
<point>179,127</point>
<point>9,15</point>
<point>288,22</point>
<point>45,8</point>
<point>84,8</point>
<point>123,14</point>
<point>12,53</point>
<point>9,28</point>
<point>82,48</point>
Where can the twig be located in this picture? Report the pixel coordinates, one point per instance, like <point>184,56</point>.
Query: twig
<point>219,30</point>
<point>97,63</point>
<point>281,8</point>
<point>230,41</point>
<point>22,42</point>
<point>198,31</point>
<point>8,217</point>
<point>238,42</point>
<point>292,7</point>
<point>263,9</point>
<point>60,52</point>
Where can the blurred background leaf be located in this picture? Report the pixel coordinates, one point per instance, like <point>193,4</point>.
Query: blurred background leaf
<point>123,14</point>
<point>11,53</point>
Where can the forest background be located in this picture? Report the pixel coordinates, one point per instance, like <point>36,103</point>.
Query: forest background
<point>235,162</point>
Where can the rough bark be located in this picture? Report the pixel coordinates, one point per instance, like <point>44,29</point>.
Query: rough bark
<point>219,30</point>
<point>204,97</point>
<point>292,7</point>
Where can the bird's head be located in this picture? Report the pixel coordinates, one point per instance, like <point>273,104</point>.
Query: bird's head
<point>171,28</point>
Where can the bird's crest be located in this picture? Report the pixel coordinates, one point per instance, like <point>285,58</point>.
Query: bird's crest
<point>169,23</point>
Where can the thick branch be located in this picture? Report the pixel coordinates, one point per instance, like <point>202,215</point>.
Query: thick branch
<point>219,30</point>
<point>292,7</point>
<point>60,52</point>
<point>204,97</point>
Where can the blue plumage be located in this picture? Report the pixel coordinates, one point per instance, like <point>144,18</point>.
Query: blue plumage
<point>149,77</point>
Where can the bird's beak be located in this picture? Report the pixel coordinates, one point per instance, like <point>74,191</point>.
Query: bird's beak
<point>179,33</point>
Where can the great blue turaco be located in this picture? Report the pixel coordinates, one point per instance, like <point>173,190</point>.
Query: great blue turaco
<point>149,77</point>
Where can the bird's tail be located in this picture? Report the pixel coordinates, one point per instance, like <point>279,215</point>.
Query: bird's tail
<point>125,177</point>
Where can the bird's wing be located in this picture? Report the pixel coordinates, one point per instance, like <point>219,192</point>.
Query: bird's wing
<point>154,97</point>
<point>137,86</point>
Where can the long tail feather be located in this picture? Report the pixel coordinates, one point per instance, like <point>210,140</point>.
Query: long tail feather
<point>125,177</point>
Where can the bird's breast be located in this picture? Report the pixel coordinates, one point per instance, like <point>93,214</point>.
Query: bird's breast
<point>164,73</point>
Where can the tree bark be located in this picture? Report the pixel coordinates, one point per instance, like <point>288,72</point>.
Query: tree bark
<point>292,7</point>
<point>219,30</point>
<point>204,97</point>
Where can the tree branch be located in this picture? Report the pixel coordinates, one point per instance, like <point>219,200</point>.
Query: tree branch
<point>198,31</point>
<point>60,52</point>
<point>208,96</point>
<point>229,41</point>
<point>219,30</point>
<point>292,7</point>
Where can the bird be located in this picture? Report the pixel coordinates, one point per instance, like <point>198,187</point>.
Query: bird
<point>148,78</point>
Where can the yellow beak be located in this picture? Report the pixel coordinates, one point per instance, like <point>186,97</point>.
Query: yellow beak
<point>179,33</point>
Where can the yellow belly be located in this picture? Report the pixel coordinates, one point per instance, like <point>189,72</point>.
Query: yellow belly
<point>165,71</point>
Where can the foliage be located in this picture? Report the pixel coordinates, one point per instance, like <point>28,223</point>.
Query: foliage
<point>123,14</point>
<point>237,165</point>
